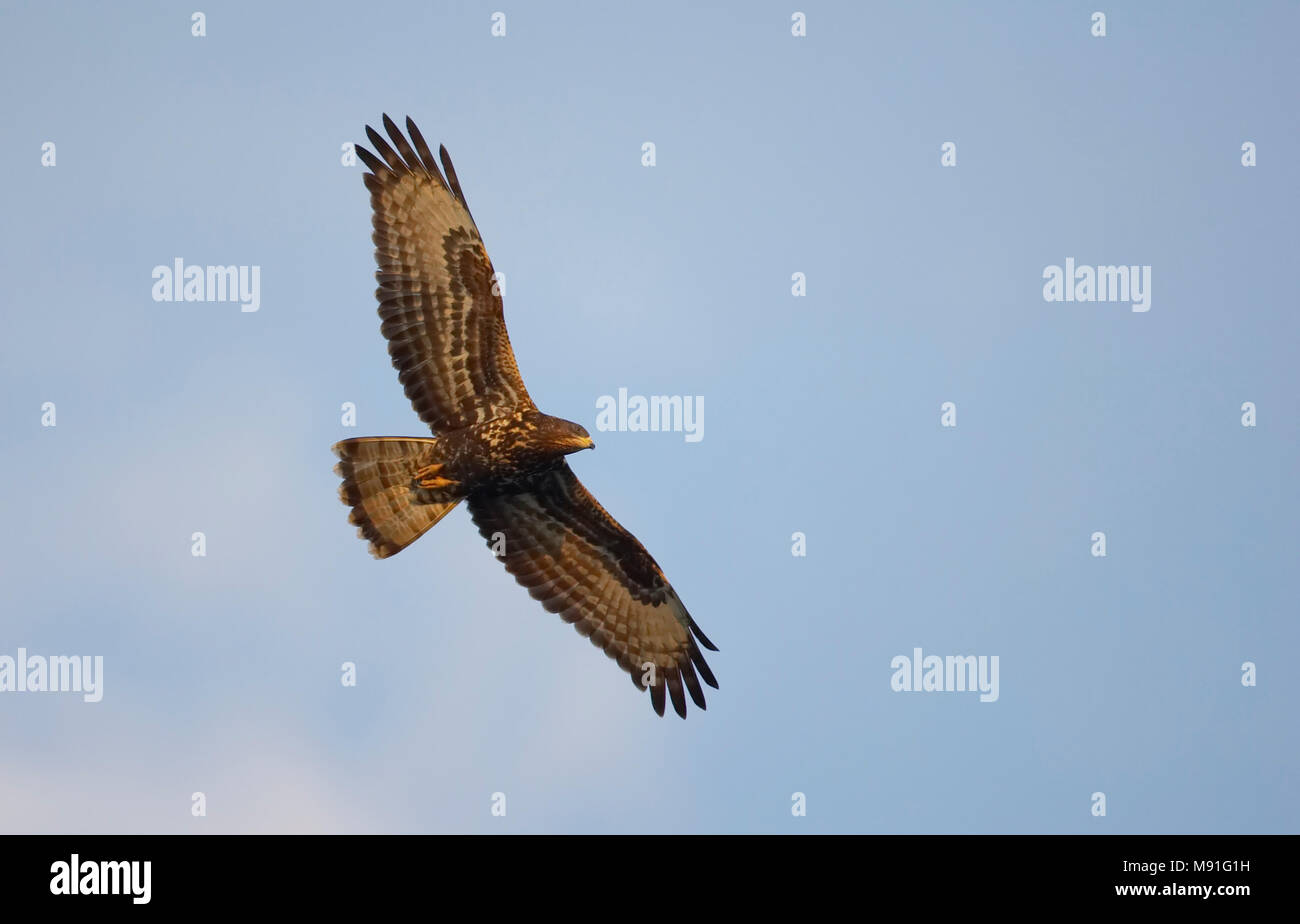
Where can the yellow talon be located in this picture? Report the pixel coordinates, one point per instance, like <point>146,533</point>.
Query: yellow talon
<point>429,478</point>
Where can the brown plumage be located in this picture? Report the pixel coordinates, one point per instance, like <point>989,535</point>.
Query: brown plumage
<point>442,316</point>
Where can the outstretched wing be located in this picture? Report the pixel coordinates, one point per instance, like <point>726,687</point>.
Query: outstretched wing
<point>441,312</point>
<point>579,562</point>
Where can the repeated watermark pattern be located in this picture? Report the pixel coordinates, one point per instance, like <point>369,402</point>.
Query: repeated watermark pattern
<point>918,673</point>
<point>653,414</point>
<point>26,673</point>
<point>194,283</point>
<point>1083,283</point>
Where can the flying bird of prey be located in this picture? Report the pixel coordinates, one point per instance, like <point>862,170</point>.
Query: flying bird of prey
<point>492,448</point>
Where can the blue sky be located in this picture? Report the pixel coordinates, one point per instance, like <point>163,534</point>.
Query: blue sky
<point>774,155</point>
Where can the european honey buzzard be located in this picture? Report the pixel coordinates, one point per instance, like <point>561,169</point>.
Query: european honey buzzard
<point>446,332</point>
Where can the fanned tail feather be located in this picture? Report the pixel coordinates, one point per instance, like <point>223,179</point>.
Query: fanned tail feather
<point>377,475</point>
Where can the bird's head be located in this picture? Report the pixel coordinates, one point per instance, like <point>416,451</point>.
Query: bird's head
<point>565,436</point>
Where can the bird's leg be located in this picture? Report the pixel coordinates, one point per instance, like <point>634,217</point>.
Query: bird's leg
<point>430,479</point>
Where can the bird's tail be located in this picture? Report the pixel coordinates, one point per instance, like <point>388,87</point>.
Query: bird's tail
<point>381,476</point>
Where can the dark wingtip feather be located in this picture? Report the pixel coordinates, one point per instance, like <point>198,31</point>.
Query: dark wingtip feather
<point>657,697</point>
<point>385,150</point>
<point>403,146</point>
<point>451,175</point>
<point>693,685</point>
<point>704,639</point>
<point>376,165</point>
<point>422,148</point>
<point>702,666</point>
<point>675,690</point>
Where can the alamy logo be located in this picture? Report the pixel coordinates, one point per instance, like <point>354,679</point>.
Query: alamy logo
<point>181,283</point>
<point>951,674</point>
<point>55,674</point>
<point>656,413</point>
<point>103,877</point>
<point>1098,284</point>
